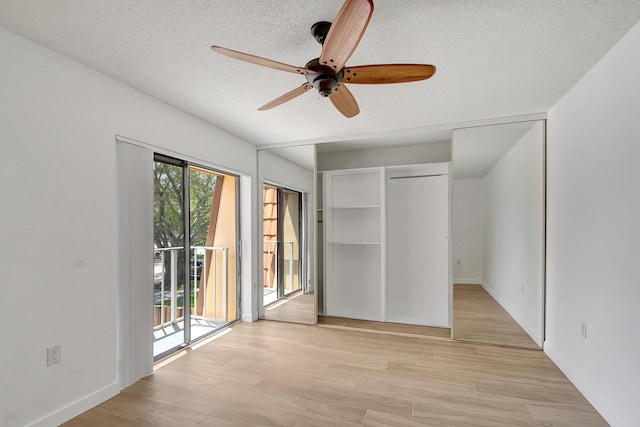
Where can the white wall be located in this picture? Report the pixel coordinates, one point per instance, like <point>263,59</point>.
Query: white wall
<point>467,230</point>
<point>593,231</point>
<point>277,170</point>
<point>513,231</point>
<point>58,228</point>
<point>406,155</point>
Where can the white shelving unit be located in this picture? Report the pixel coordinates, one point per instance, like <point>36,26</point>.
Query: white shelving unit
<point>354,243</point>
<point>403,210</point>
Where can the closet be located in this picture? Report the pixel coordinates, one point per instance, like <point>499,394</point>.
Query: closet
<point>354,252</point>
<point>386,248</point>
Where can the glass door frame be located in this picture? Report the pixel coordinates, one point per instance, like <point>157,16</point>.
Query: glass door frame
<point>186,216</point>
<point>280,246</point>
<point>186,226</point>
<point>283,191</point>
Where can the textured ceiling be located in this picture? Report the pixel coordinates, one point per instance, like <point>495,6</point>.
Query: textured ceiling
<point>493,58</point>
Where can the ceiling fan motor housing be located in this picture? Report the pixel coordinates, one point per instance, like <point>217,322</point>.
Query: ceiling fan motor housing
<point>324,79</point>
<point>319,31</point>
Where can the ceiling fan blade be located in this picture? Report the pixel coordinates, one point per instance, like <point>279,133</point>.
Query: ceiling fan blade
<point>260,61</point>
<point>286,97</point>
<point>343,100</point>
<point>345,33</point>
<point>388,73</point>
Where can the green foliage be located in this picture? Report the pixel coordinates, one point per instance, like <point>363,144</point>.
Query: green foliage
<point>168,187</point>
<point>167,202</point>
<point>179,302</point>
<point>168,220</point>
<point>201,199</point>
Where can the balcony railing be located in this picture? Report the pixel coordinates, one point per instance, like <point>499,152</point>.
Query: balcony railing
<point>199,276</point>
<point>270,244</point>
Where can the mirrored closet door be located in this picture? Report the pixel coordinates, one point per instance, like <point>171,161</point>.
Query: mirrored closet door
<point>498,223</point>
<point>287,219</point>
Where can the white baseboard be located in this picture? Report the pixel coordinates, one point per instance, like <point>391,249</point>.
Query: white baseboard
<point>413,320</point>
<point>466,281</point>
<point>249,317</point>
<point>526,327</point>
<point>76,408</point>
<point>596,401</point>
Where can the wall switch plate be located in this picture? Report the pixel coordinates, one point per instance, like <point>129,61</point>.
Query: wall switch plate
<point>53,355</point>
<point>459,262</point>
<point>583,329</point>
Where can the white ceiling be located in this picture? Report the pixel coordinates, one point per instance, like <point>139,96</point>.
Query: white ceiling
<point>494,58</point>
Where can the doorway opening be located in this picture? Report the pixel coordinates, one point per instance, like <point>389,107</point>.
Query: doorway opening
<point>195,267</point>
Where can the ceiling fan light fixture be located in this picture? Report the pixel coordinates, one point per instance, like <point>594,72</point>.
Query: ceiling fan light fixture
<point>328,72</point>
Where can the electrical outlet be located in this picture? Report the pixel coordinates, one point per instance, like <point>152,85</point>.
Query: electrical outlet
<point>458,262</point>
<point>53,355</point>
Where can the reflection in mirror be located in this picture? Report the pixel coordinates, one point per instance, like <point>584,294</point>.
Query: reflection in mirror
<point>286,224</point>
<point>498,234</point>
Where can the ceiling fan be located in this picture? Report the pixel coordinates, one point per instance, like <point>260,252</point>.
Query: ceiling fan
<point>329,74</point>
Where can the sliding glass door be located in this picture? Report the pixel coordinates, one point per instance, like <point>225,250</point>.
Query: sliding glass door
<point>170,242</point>
<point>270,247</point>
<point>282,243</point>
<point>195,288</point>
<point>291,222</point>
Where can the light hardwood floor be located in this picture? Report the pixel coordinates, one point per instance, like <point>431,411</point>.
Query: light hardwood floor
<point>384,327</point>
<point>299,308</point>
<point>478,317</point>
<point>283,374</point>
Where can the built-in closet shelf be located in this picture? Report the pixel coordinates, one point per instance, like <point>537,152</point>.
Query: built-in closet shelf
<point>354,243</point>
<point>385,245</point>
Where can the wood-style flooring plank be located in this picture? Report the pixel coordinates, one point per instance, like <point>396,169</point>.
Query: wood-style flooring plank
<point>478,317</point>
<point>283,374</point>
<point>397,328</point>
<point>299,308</point>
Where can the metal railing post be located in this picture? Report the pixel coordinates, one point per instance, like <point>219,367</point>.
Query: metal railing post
<point>215,282</point>
<point>224,284</point>
<point>195,280</point>
<point>269,265</point>
<point>290,266</point>
<point>204,279</point>
<point>174,285</point>
<point>162,320</point>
